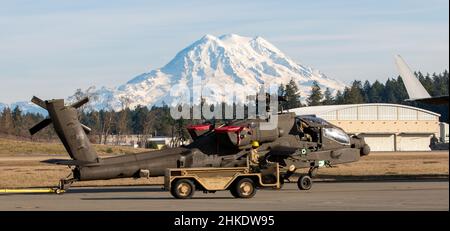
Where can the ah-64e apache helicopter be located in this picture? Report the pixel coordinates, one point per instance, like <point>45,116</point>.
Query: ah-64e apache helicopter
<point>296,142</point>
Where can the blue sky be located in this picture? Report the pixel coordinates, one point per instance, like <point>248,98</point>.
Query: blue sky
<point>50,48</point>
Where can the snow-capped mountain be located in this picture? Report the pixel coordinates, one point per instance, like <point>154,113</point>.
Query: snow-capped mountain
<point>29,107</point>
<point>25,107</point>
<point>219,69</point>
<point>225,63</point>
<point>2,106</point>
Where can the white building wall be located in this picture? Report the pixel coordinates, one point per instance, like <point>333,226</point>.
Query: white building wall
<point>406,114</point>
<point>376,121</point>
<point>413,142</point>
<point>367,113</point>
<point>348,114</point>
<point>380,142</point>
<point>387,113</point>
<point>444,132</point>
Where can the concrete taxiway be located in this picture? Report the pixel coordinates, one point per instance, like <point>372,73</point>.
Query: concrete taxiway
<point>401,195</point>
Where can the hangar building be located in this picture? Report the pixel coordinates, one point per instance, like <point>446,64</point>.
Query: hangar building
<point>385,127</point>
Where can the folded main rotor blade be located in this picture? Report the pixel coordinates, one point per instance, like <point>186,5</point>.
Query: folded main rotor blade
<point>39,102</point>
<point>44,123</point>
<point>80,102</point>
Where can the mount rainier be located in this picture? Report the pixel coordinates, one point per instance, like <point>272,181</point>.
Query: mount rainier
<point>228,62</point>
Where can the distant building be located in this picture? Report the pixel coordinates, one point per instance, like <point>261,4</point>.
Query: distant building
<point>444,132</point>
<point>123,140</point>
<point>161,141</point>
<point>385,127</point>
<point>140,141</point>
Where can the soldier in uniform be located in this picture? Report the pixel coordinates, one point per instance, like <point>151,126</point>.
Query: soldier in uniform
<point>254,156</point>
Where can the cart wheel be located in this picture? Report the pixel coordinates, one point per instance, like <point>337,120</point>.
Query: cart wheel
<point>183,189</point>
<point>304,183</point>
<point>234,192</point>
<point>244,188</point>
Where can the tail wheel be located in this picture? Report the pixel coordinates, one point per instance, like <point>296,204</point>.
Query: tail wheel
<point>313,171</point>
<point>365,150</point>
<point>183,189</point>
<point>244,188</point>
<point>304,183</point>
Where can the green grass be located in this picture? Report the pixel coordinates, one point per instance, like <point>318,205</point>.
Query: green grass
<point>13,147</point>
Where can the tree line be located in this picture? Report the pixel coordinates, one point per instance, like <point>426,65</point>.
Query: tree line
<point>392,91</point>
<point>156,121</point>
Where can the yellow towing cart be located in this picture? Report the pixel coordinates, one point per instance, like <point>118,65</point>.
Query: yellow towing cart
<point>241,181</point>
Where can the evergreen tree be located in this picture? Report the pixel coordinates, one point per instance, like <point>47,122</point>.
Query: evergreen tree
<point>282,92</point>
<point>440,84</point>
<point>388,93</point>
<point>138,118</point>
<point>444,83</point>
<point>315,98</point>
<point>354,95</point>
<point>427,83</point>
<point>366,91</point>
<point>17,121</point>
<point>292,95</point>
<point>400,90</point>
<point>339,98</point>
<point>376,93</point>
<point>328,97</point>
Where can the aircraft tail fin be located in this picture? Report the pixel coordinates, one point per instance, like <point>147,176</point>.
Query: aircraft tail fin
<point>413,86</point>
<point>70,131</point>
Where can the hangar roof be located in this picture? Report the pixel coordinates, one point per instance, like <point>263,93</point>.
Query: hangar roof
<point>314,110</point>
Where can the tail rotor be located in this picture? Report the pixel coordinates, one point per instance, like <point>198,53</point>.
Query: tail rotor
<point>47,121</point>
<point>70,131</point>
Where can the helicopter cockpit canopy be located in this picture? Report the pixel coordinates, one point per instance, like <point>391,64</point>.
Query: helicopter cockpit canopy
<point>311,125</point>
<point>313,121</point>
<point>337,135</point>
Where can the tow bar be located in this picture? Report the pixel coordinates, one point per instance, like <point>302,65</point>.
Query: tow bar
<point>33,190</point>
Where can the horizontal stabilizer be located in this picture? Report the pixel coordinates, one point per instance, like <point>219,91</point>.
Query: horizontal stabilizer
<point>44,123</point>
<point>70,162</point>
